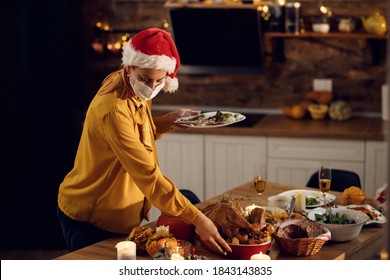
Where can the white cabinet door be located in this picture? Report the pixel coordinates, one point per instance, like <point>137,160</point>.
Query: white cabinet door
<point>181,160</point>
<point>230,161</point>
<point>376,166</point>
<point>293,161</point>
<point>296,172</point>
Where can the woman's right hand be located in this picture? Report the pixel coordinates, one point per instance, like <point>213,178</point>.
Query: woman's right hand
<point>209,234</point>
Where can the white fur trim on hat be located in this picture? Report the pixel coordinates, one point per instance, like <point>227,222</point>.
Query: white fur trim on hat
<point>171,85</point>
<point>132,57</point>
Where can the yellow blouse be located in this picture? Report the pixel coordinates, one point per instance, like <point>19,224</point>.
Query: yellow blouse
<point>116,176</point>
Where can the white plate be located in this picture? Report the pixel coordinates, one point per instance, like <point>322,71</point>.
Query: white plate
<point>188,121</point>
<point>316,194</point>
<point>381,219</point>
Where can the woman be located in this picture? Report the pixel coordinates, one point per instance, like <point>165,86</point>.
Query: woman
<point>116,176</point>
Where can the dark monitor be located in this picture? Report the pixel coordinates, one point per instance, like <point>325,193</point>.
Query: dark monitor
<point>218,40</point>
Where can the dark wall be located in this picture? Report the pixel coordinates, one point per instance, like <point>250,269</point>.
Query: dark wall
<point>40,97</point>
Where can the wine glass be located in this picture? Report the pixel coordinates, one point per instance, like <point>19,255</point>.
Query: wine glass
<point>325,179</point>
<point>259,179</point>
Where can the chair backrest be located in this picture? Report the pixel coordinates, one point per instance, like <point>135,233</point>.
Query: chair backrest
<point>190,195</point>
<point>341,179</point>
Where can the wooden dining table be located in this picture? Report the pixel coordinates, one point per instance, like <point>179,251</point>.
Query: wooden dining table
<point>367,245</point>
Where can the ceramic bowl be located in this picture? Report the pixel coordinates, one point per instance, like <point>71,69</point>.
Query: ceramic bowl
<point>243,251</point>
<point>321,27</point>
<point>280,201</point>
<point>345,232</point>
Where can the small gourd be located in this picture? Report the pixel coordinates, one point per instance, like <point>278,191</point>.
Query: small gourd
<point>339,110</point>
<point>353,195</point>
<point>318,111</point>
<point>162,238</point>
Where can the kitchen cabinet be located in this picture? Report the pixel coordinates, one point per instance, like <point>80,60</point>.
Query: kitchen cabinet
<point>292,160</point>
<point>181,160</point>
<point>376,173</point>
<point>229,160</point>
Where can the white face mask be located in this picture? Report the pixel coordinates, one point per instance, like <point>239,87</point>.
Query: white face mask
<point>142,90</point>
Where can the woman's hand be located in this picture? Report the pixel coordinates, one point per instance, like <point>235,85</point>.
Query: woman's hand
<point>181,113</point>
<point>209,234</point>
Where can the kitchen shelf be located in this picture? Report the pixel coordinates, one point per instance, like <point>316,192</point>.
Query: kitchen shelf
<point>333,35</point>
<point>279,37</point>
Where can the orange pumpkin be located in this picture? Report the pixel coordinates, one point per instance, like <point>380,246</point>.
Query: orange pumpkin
<point>321,97</point>
<point>353,195</point>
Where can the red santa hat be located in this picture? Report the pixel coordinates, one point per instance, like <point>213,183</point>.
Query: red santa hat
<point>154,48</point>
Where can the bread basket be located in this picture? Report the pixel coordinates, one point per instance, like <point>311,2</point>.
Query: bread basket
<point>300,246</point>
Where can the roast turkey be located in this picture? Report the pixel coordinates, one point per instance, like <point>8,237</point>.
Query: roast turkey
<point>230,221</point>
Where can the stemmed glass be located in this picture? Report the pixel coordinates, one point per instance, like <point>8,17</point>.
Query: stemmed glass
<point>325,179</point>
<point>259,179</point>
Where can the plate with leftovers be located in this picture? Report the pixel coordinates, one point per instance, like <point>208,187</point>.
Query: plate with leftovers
<point>374,214</point>
<point>211,119</point>
<point>313,198</point>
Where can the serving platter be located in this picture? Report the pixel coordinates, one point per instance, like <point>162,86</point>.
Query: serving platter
<point>211,119</point>
<point>376,217</point>
<point>312,194</point>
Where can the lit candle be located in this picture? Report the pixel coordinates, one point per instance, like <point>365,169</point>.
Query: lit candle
<point>177,257</point>
<point>126,250</point>
<point>260,256</point>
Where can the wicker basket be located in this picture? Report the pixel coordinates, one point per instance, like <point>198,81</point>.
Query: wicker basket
<point>301,246</point>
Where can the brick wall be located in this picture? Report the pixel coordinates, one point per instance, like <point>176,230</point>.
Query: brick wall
<point>347,62</point>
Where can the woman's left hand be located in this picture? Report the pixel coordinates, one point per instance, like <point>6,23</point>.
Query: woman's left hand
<point>182,113</point>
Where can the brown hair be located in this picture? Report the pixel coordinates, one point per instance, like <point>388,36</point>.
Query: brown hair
<point>116,82</point>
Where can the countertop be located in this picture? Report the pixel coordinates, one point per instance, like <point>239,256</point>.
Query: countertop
<point>272,125</point>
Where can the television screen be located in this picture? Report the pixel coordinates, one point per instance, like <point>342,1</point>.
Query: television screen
<point>217,40</point>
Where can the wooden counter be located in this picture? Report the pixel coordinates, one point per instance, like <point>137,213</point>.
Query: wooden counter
<point>356,128</point>
<point>370,241</point>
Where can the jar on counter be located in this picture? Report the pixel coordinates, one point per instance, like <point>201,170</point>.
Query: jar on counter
<point>347,25</point>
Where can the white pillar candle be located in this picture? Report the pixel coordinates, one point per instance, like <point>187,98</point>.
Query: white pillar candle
<point>300,203</point>
<point>176,257</point>
<point>260,256</point>
<point>126,250</point>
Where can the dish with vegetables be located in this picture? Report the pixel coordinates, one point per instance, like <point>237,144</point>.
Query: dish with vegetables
<point>211,119</point>
<point>313,198</point>
<point>333,218</point>
<point>375,216</point>
<point>344,224</point>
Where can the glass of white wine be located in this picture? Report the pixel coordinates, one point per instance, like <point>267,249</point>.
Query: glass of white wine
<point>259,178</point>
<point>325,179</point>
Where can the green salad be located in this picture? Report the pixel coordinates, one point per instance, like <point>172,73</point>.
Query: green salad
<point>329,218</point>
<point>311,201</point>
